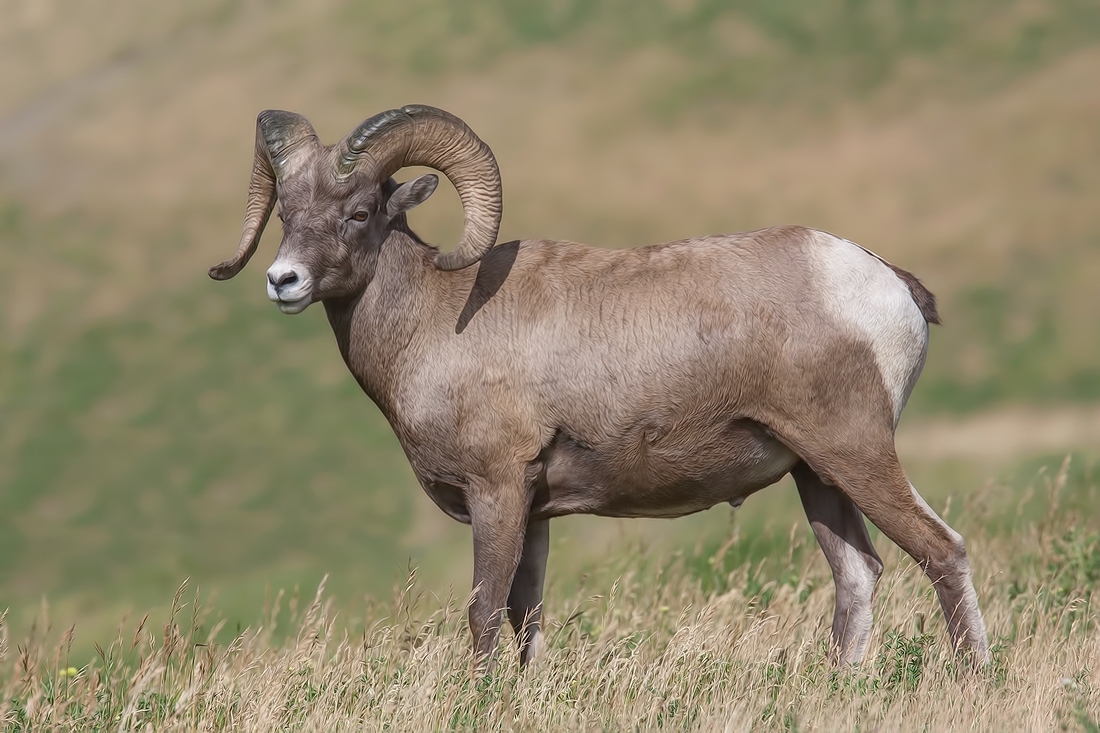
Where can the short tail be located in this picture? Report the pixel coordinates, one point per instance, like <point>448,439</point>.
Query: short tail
<point>922,296</point>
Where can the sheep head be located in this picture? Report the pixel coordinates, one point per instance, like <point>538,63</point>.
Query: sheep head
<point>338,203</point>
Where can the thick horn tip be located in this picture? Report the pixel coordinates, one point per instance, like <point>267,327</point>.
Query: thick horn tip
<point>454,260</point>
<point>224,271</point>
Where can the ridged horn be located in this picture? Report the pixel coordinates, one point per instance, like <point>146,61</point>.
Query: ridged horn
<point>283,141</point>
<point>420,135</point>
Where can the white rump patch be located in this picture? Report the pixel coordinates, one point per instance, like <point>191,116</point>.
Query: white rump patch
<point>865,295</point>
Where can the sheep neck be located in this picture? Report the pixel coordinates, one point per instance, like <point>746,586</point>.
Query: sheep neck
<point>376,329</point>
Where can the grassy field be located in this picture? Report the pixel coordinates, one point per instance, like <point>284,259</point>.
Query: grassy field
<point>716,638</point>
<point>156,426</point>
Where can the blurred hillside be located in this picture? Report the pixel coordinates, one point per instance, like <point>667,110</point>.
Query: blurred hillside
<point>155,425</point>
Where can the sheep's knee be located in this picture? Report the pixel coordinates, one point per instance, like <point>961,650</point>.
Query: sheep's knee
<point>857,580</point>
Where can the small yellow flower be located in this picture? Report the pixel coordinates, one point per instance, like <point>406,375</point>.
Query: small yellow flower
<point>70,672</point>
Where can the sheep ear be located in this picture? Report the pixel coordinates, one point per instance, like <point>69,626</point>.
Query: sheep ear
<point>412,193</point>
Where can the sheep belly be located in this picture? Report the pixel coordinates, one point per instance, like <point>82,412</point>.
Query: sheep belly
<point>660,473</point>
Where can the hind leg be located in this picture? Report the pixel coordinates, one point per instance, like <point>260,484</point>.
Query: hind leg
<point>834,399</point>
<point>842,535</point>
<point>878,486</point>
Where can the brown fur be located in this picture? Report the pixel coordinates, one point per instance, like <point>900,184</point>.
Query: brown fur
<point>558,378</point>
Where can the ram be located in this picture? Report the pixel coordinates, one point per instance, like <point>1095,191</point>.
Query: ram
<point>556,378</point>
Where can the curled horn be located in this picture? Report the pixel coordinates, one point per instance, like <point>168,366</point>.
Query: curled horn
<point>283,140</point>
<point>421,135</point>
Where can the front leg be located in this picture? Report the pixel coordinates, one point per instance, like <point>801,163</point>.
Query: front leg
<point>525,598</point>
<point>498,516</point>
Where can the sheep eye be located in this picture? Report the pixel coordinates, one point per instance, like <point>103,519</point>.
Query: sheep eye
<point>359,216</point>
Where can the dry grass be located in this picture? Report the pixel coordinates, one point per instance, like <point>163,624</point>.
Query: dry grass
<point>653,648</point>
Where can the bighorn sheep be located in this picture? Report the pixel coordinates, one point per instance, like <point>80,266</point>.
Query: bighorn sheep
<point>557,378</point>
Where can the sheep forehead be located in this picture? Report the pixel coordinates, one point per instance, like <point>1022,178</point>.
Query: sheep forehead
<point>314,197</point>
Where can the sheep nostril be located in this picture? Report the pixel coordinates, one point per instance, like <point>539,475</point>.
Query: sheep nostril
<point>287,278</point>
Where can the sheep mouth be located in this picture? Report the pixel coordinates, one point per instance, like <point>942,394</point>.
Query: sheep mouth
<point>293,307</point>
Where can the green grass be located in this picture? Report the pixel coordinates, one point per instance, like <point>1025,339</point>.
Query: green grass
<point>1013,337</point>
<point>731,48</point>
<point>140,451</point>
<point>202,434</point>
